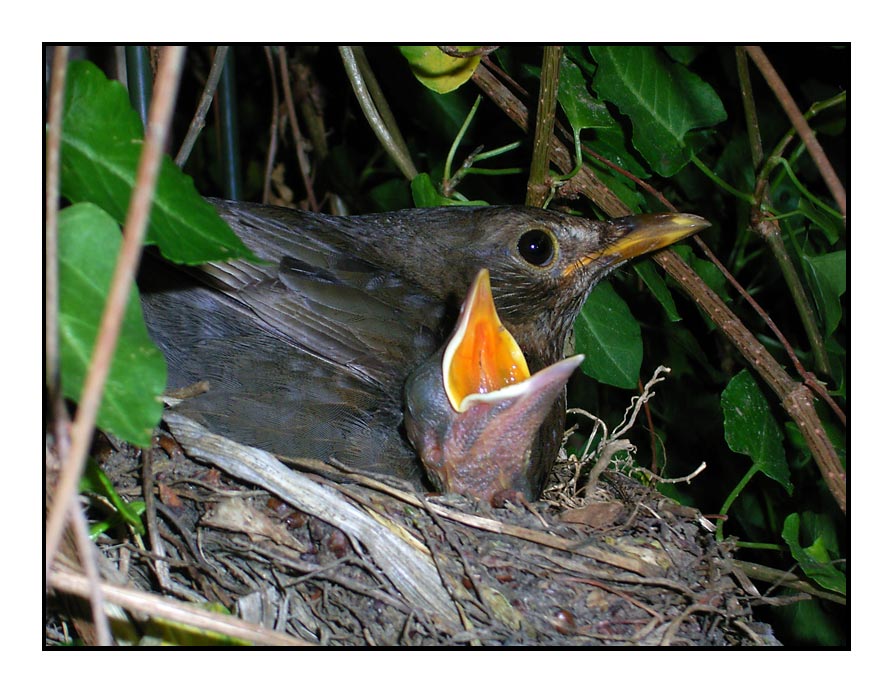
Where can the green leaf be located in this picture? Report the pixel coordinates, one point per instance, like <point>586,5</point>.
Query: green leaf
<point>167,632</point>
<point>663,99</point>
<point>749,428</point>
<point>612,144</point>
<point>101,142</point>
<point>821,526</point>
<point>96,481</point>
<point>605,135</point>
<point>813,560</point>
<point>684,54</point>
<point>831,226</point>
<point>134,509</point>
<point>89,240</point>
<point>425,194</point>
<point>827,275</point>
<point>393,194</point>
<point>609,335</point>
<point>810,624</point>
<point>657,285</point>
<point>581,107</point>
<point>438,71</point>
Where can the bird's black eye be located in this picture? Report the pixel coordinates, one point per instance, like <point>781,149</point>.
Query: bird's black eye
<point>537,247</point>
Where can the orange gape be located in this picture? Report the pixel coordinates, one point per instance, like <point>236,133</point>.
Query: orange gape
<point>481,356</point>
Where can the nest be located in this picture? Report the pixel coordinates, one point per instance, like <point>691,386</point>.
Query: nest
<point>310,554</point>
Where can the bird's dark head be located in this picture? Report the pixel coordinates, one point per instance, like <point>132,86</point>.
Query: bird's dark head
<point>543,264</point>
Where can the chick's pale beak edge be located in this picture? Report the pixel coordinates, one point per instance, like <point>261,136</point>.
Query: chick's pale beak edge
<point>481,356</point>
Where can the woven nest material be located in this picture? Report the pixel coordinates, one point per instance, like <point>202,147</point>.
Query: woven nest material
<point>324,557</point>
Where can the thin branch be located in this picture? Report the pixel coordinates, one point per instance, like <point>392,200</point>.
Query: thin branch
<point>138,601</point>
<point>87,553</point>
<point>455,52</point>
<point>808,377</point>
<point>374,115</point>
<point>751,121</point>
<point>504,77</point>
<point>447,182</point>
<point>800,123</point>
<point>159,560</point>
<point>768,230</point>
<point>675,480</point>
<point>720,183</point>
<point>198,120</point>
<point>379,100</point>
<point>303,162</point>
<point>539,187</point>
<point>134,231</point>
<point>775,156</point>
<point>786,579</point>
<point>586,180</point>
<point>274,127</point>
<point>54,139</point>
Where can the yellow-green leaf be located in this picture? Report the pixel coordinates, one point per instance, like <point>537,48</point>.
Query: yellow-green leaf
<point>438,71</point>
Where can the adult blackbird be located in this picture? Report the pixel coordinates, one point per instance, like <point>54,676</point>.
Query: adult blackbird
<point>308,355</point>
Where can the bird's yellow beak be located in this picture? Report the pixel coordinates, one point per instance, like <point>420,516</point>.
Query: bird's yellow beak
<point>482,356</point>
<point>640,234</point>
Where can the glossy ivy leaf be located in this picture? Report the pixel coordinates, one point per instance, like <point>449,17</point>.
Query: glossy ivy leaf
<point>749,428</point>
<point>438,71</point>
<point>827,275</point>
<point>102,138</point>
<point>581,107</point>
<point>814,560</point>
<point>664,101</point>
<point>89,240</point>
<point>610,336</point>
<point>605,135</point>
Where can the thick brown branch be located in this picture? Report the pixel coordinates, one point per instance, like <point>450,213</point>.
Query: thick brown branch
<point>795,397</point>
